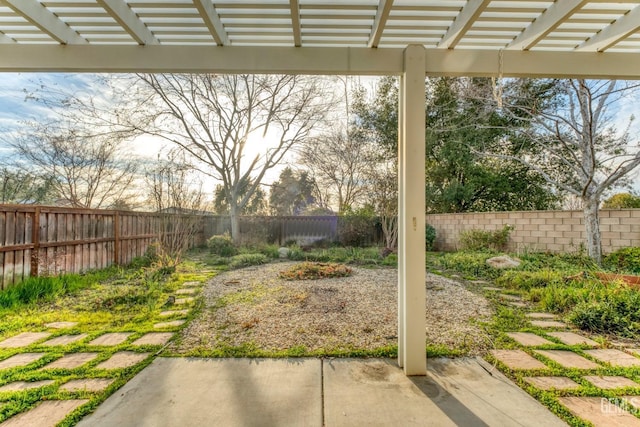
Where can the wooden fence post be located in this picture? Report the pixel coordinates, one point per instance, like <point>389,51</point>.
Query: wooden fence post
<point>35,240</point>
<point>116,239</point>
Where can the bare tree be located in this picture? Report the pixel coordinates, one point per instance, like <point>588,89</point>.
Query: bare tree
<point>576,148</point>
<point>85,169</point>
<point>212,117</point>
<point>176,194</point>
<point>338,160</point>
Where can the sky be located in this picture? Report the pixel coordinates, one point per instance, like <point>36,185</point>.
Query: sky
<point>16,105</point>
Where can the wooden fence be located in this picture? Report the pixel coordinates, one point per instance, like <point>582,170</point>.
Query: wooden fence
<point>36,240</point>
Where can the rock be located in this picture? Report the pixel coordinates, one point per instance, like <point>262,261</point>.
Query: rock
<point>503,261</point>
<point>283,252</point>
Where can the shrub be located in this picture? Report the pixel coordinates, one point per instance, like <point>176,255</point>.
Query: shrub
<point>430,237</point>
<point>625,259</point>
<point>221,245</point>
<point>529,279</point>
<point>357,228</point>
<point>470,263</point>
<point>475,240</point>
<point>617,312</point>
<point>245,260</point>
<point>315,270</point>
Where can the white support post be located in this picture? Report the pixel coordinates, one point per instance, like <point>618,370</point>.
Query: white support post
<point>401,225</point>
<point>411,259</point>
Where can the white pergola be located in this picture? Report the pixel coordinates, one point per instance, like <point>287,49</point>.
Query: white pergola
<point>408,38</point>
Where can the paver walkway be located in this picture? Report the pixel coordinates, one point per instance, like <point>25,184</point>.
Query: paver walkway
<point>75,371</point>
<point>536,362</point>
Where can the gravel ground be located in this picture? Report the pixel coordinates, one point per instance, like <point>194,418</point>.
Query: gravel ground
<point>253,305</point>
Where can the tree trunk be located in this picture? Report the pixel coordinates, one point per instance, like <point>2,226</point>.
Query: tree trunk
<point>235,223</point>
<point>592,228</point>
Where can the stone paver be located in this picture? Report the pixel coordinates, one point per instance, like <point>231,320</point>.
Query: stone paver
<point>171,324</point>
<point>510,297</point>
<point>24,339</point>
<point>571,338</point>
<point>184,300</point>
<point>610,382</point>
<point>568,359</point>
<point>632,401</point>
<point>517,359</point>
<point>22,359</point>
<point>548,324</point>
<point>548,383</point>
<point>492,289</point>
<point>71,361</point>
<point>541,315</point>
<point>170,313</point>
<point>186,291</point>
<point>46,414</point>
<point>25,385</point>
<point>154,338</point>
<point>518,304</point>
<point>87,384</point>
<point>528,339</point>
<point>122,359</point>
<point>614,357</point>
<point>112,338</point>
<point>65,339</point>
<point>599,411</point>
<point>191,284</point>
<point>60,325</point>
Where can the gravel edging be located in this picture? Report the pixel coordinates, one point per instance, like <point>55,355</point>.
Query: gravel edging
<point>253,306</point>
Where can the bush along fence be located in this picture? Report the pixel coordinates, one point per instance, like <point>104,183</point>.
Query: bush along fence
<point>38,240</point>
<point>540,231</point>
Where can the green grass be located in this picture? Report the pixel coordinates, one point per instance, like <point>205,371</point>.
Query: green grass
<point>112,300</point>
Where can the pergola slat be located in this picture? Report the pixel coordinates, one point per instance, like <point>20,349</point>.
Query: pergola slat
<point>295,22</point>
<point>467,16</point>
<point>614,33</point>
<point>123,14</point>
<point>382,14</point>
<point>555,15</point>
<point>42,18</point>
<point>212,21</point>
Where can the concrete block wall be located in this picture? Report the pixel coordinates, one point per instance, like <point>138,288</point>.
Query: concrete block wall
<point>554,231</point>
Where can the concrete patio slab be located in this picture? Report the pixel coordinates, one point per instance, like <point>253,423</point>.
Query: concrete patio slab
<point>568,359</point>
<point>22,359</point>
<point>45,414</point>
<point>71,361</point>
<point>548,383</point>
<point>60,325</point>
<point>154,338</point>
<point>65,339</point>
<point>517,359</point>
<point>112,338</point>
<point>25,385</point>
<point>610,382</point>
<point>122,359</point>
<point>24,339</point>
<point>458,392</point>
<point>212,392</point>
<point>87,384</point>
<point>599,411</point>
<point>310,392</point>
<point>571,338</point>
<point>170,313</point>
<point>614,357</point>
<point>528,339</point>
